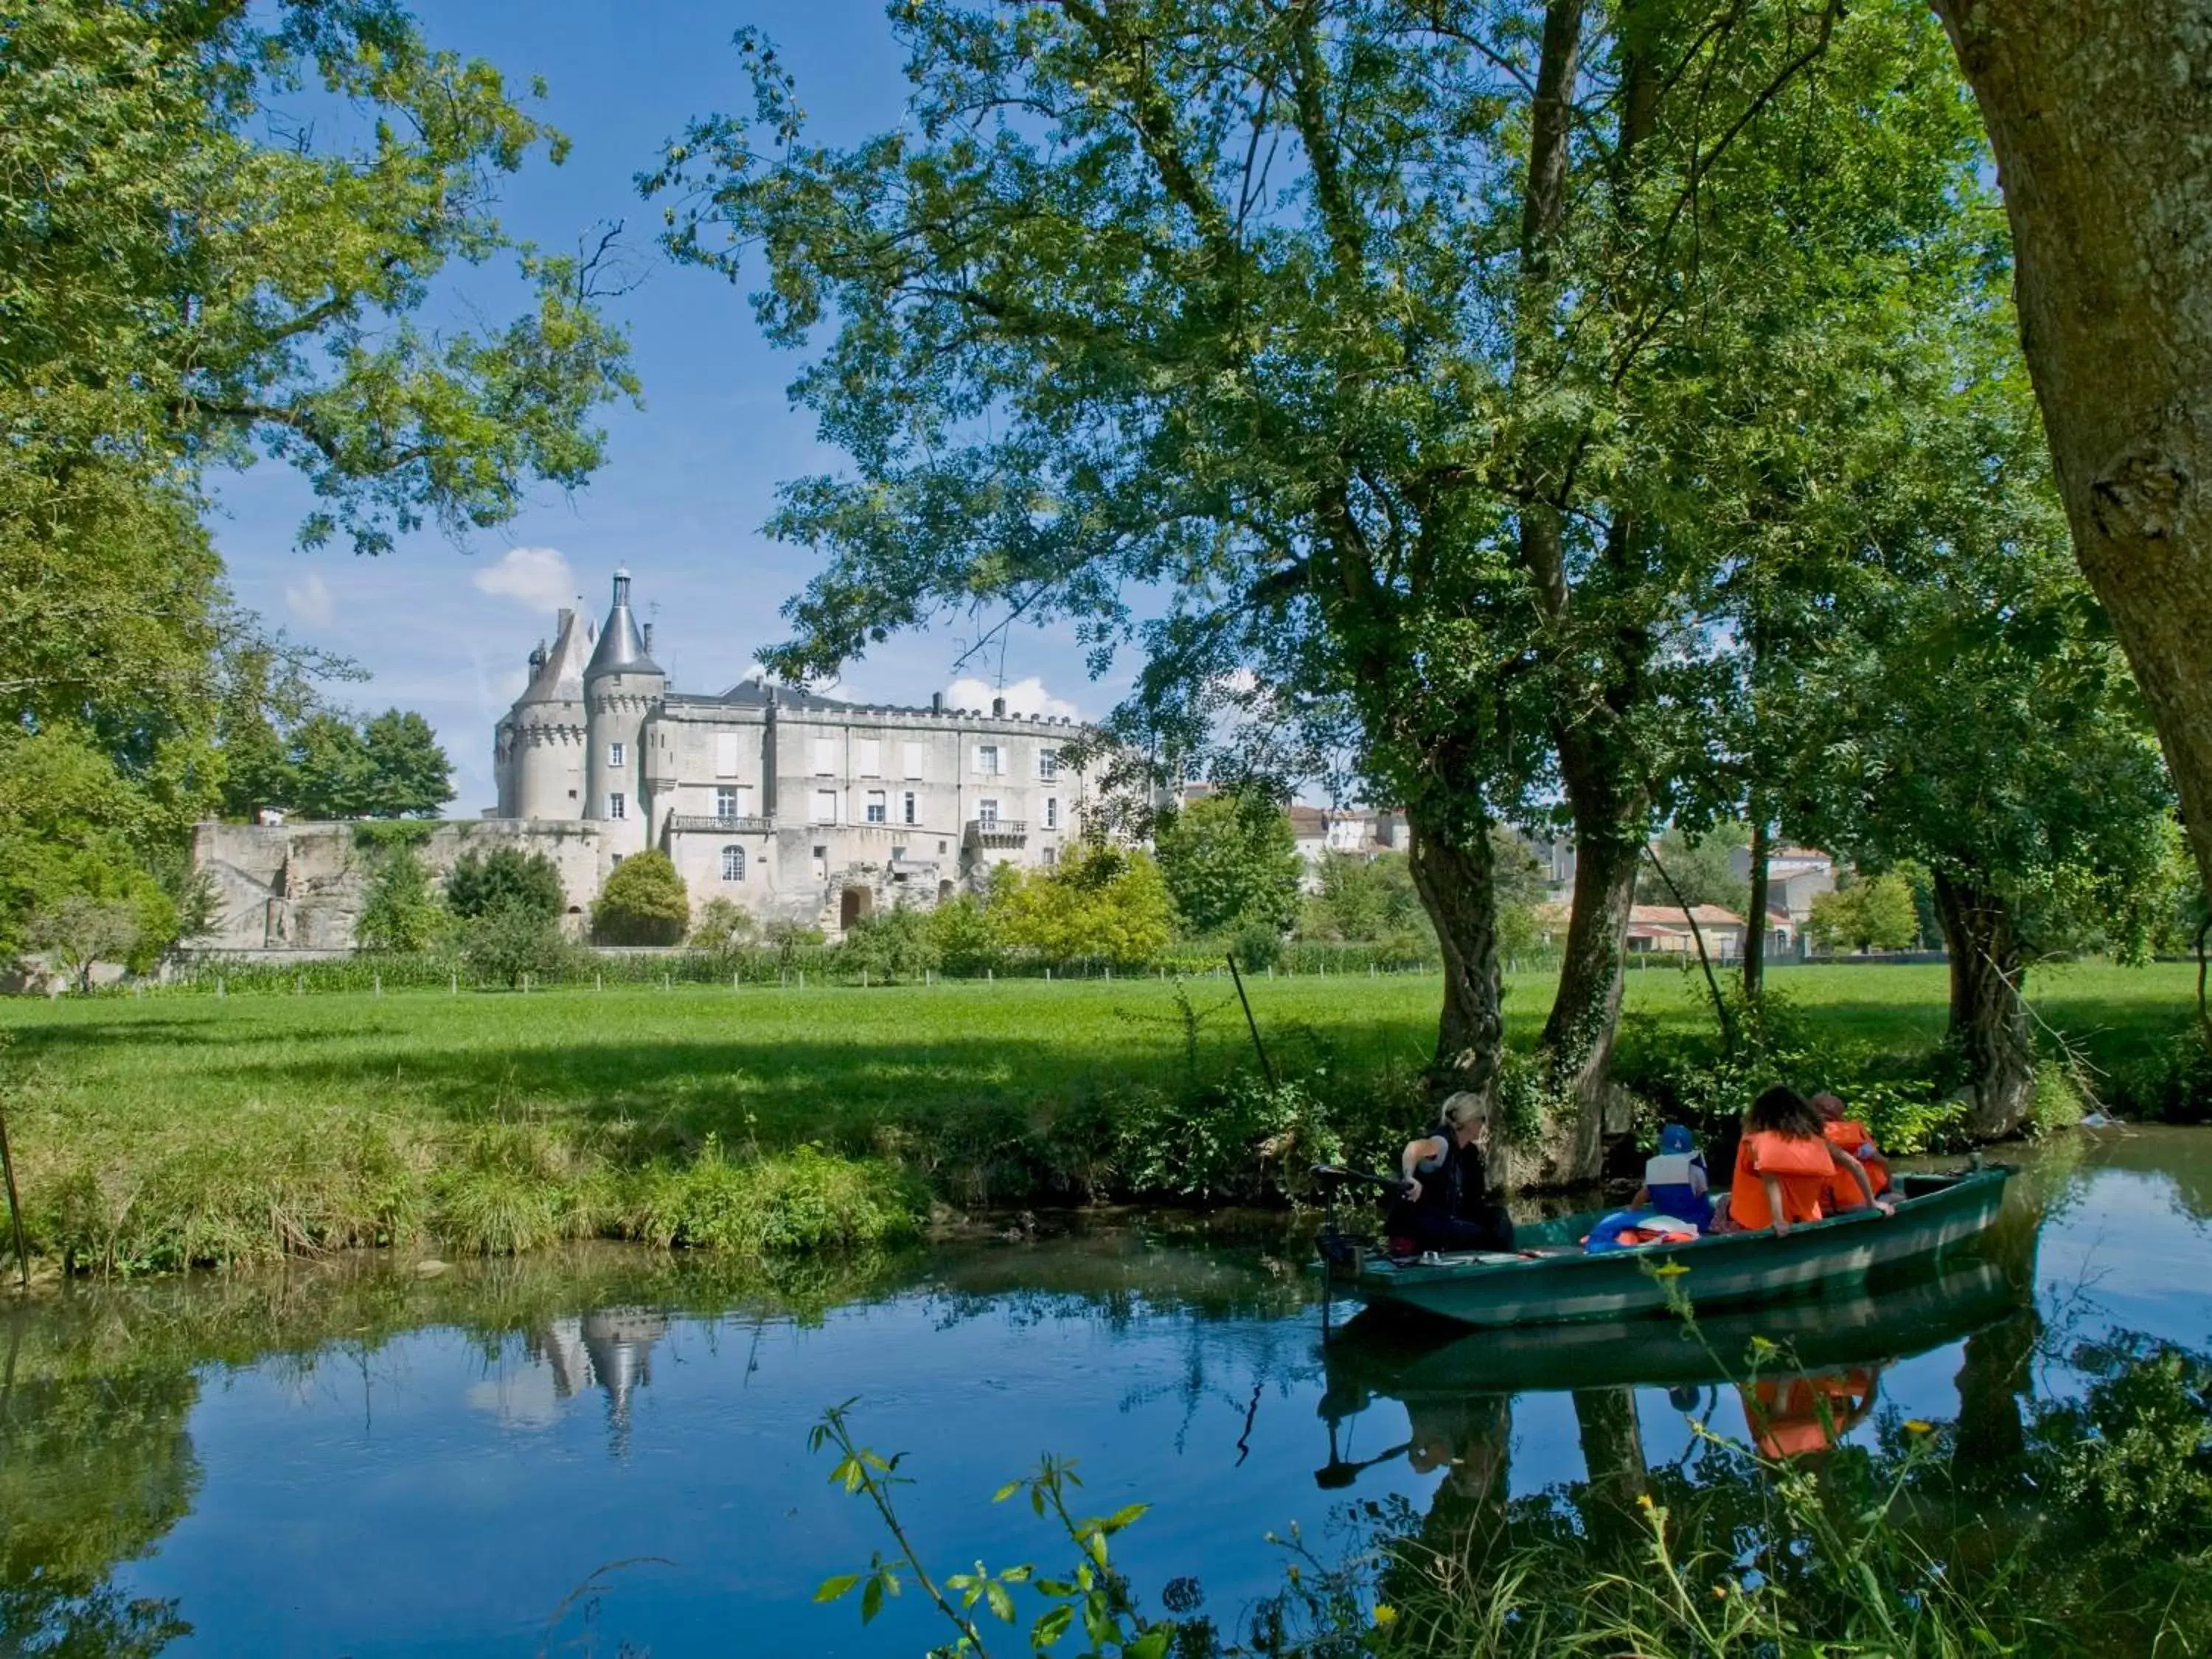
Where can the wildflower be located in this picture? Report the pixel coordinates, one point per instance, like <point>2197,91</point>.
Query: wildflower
<point>1918,1426</point>
<point>1670,1270</point>
<point>1643,1500</point>
<point>1385,1616</point>
<point>1720,1592</point>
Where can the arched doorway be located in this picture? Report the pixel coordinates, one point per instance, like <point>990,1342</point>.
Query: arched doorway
<point>856,904</point>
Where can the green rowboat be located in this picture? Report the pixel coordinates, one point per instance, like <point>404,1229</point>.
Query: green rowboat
<point>1414,1360</point>
<point>1551,1280</point>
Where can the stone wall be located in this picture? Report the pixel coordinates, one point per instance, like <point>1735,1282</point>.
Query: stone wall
<point>299,886</point>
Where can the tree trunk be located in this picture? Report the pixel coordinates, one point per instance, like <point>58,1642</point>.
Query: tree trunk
<point>1614,1466</point>
<point>1455,875</point>
<point>1754,933</point>
<point>1989,1020</point>
<point>1996,1370</point>
<point>2097,111</point>
<point>1577,1041</point>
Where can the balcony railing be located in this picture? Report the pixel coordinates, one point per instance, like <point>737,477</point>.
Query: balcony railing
<point>997,832</point>
<point>714,823</point>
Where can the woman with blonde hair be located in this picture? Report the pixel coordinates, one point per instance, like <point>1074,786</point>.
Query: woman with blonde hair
<point>1446,1203</point>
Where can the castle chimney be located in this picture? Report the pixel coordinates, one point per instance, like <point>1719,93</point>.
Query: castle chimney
<point>937,702</point>
<point>648,639</point>
<point>998,708</point>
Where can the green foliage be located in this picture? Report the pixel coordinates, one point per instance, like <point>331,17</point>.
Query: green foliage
<point>504,877</point>
<point>331,767</point>
<point>890,945</point>
<point>1700,867</point>
<point>643,902</point>
<point>281,313</point>
<point>1875,913</point>
<point>1230,862</point>
<point>1244,1142</point>
<point>724,927</point>
<point>1100,901</point>
<point>1368,901</point>
<point>512,942</point>
<point>1092,1592</point>
<point>804,1200</point>
<point>401,911</point>
<point>79,931</point>
<point>78,836</point>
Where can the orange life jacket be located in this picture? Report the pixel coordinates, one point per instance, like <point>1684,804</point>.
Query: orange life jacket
<point>1851,1134</point>
<point>1802,1166</point>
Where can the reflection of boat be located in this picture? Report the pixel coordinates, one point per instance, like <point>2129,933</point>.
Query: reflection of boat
<point>1554,1281</point>
<point>1409,1360</point>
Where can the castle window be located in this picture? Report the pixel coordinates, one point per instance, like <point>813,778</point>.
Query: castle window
<point>1047,764</point>
<point>914,754</point>
<point>615,758</point>
<point>616,805</point>
<point>898,853</point>
<point>726,803</point>
<point>878,809</point>
<point>986,759</point>
<point>1051,857</point>
<point>986,813</point>
<point>725,753</point>
<point>1052,812</point>
<point>825,755</point>
<point>911,808</point>
<point>733,864</point>
<point>825,807</point>
<point>868,757</point>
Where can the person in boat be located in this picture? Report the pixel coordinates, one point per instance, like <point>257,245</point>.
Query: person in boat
<point>1675,1182</point>
<point>1446,1203</point>
<point>1847,1131</point>
<point>1786,1169</point>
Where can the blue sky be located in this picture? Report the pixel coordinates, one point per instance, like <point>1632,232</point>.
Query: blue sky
<point>444,629</point>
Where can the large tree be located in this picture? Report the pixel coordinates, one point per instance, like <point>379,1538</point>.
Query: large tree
<point>220,226</point>
<point>2097,111</point>
<point>1231,862</point>
<point>1364,329</point>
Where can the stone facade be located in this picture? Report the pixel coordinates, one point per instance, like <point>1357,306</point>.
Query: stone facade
<point>298,886</point>
<point>799,807</point>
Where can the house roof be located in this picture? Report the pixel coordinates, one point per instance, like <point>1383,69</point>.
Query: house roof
<point>1670,915</point>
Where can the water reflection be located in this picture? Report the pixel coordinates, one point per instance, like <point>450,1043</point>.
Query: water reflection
<point>167,1451</point>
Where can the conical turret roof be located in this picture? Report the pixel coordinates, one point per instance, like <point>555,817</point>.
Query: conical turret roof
<point>560,676</point>
<point>622,648</point>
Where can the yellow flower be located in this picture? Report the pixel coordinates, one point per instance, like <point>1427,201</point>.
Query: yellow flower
<point>1918,1426</point>
<point>1720,1591</point>
<point>1385,1616</point>
<point>1670,1270</point>
<point>1644,1500</point>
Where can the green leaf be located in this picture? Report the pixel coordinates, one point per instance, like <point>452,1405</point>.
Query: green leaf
<point>1001,1603</point>
<point>1152,1645</point>
<point>1122,1517</point>
<point>871,1600</point>
<point>831,1588</point>
<point>1050,1626</point>
<point>1005,1491</point>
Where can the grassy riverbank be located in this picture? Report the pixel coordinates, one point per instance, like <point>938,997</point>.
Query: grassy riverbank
<point>176,1129</point>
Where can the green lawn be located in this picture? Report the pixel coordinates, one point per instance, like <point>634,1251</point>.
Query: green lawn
<point>354,1109</point>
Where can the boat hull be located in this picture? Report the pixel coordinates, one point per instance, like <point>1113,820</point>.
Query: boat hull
<point>1939,1214</point>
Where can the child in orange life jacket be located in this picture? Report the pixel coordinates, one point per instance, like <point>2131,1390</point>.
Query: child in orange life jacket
<point>1853,1137</point>
<point>1785,1165</point>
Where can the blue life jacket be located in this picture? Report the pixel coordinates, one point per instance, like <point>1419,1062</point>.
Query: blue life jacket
<point>1676,1178</point>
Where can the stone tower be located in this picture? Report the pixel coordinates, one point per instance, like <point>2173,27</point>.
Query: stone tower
<point>622,686</point>
<point>537,754</point>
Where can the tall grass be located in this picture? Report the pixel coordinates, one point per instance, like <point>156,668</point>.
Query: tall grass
<point>158,1132</point>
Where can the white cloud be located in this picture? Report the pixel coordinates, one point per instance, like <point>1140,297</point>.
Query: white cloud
<point>309,601</point>
<point>1026,696</point>
<point>536,577</point>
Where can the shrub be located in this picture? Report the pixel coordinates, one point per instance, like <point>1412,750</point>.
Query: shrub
<point>400,912</point>
<point>643,902</point>
<point>724,927</point>
<point>891,945</point>
<point>504,877</point>
<point>506,943</point>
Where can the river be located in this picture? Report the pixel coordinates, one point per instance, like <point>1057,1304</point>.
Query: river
<point>606,1450</point>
